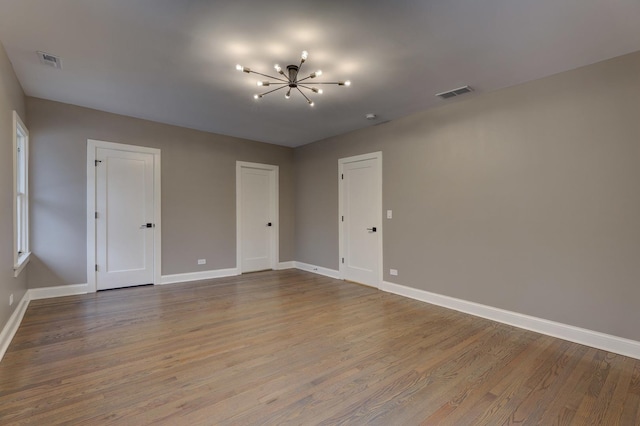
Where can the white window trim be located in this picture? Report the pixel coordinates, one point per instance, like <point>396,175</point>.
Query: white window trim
<point>20,261</point>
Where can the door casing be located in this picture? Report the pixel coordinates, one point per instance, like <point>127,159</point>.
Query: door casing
<point>342,241</point>
<point>274,196</point>
<point>92,147</point>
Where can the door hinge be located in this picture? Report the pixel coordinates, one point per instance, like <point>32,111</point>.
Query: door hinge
<point>96,267</point>
<point>97,161</point>
<point>96,215</point>
<point>343,218</point>
<point>342,176</point>
<point>343,260</point>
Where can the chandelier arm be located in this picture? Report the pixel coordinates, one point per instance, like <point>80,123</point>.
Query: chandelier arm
<point>302,93</point>
<point>270,76</point>
<point>303,79</point>
<point>306,87</point>
<point>271,91</point>
<point>328,82</point>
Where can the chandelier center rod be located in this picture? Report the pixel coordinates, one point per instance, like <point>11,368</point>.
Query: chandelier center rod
<point>293,73</point>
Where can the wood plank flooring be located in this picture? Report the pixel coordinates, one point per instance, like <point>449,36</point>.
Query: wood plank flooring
<point>291,347</point>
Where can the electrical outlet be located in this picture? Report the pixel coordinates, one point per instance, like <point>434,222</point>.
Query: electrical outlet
<point>202,261</point>
<point>389,214</point>
<point>393,271</point>
<point>11,299</point>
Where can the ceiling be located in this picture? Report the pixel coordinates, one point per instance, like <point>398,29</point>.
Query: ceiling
<point>174,61</point>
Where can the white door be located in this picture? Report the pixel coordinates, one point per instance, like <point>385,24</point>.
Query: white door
<point>125,225</point>
<point>361,218</point>
<point>257,216</point>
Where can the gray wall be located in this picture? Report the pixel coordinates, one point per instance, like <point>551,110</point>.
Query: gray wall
<point>11,98</point>
<point>198,190</point>
<point>525,199</point>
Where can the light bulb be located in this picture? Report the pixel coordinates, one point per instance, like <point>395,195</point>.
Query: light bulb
<point>239,67</point>
<point>318,91</point>
<point>311,103</point>
<point>288,95</point>
<point>257,96</point>
<point>277,68</point>
<point>258,83</point>
<point>304,55</point>
<point>318,73</point>
<point>347,83</point>
<point>262,83</point>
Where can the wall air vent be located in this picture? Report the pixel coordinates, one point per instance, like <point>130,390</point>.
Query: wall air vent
<point>50,60</point>
<point>455,92</point>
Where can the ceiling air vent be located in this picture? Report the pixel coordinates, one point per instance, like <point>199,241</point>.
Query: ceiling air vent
<point>50,60</point>
<point>455,92</point>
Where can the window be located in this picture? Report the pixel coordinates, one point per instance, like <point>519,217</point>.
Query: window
<point>21,250</point>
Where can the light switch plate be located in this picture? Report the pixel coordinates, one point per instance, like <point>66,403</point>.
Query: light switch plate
<point>389,214</point>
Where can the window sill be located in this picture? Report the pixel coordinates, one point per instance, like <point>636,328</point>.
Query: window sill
<point>20,265</point>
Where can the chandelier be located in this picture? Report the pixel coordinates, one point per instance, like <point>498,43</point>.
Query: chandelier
<point>291,80</point>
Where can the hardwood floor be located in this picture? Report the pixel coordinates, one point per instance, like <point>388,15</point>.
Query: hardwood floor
<point>291,347</point>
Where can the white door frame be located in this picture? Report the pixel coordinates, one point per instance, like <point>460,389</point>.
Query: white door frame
<point>275,235</point>
<point>92,148</point>
<point>341,162</point>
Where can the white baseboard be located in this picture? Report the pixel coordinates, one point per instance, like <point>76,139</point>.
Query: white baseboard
<point>286,265</point>
<point>607,342</point>
<point>595,339</point>
<point>11,327</point>
<point>62,290</point>
<point>318,270</point>
<point>197,276</point>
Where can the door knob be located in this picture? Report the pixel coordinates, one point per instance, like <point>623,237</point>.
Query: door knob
<point>269,224</point>
<point>372,229</point>
<point>147,225</point>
